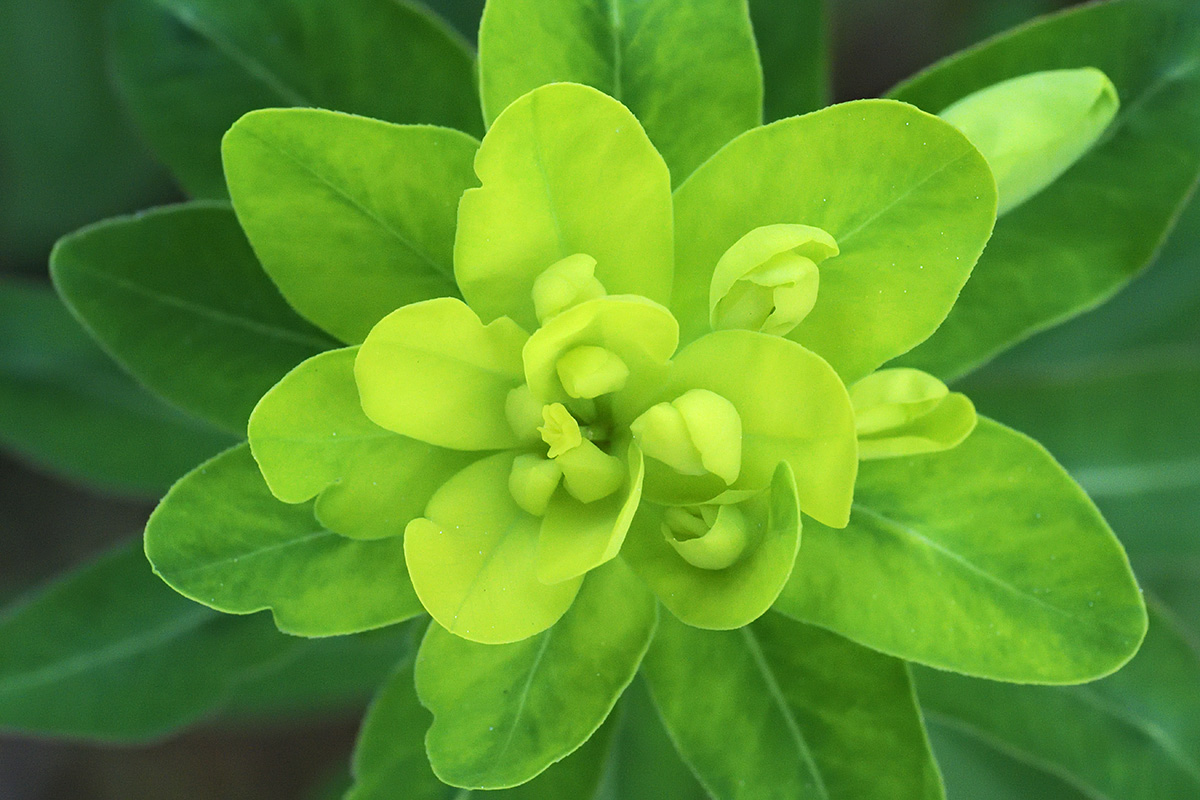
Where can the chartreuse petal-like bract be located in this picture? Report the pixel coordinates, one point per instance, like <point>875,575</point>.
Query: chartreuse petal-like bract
<point>1034,127</point>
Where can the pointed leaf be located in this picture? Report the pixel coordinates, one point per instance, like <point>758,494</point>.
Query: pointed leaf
<point>1080,240</point>
<point>723,599</point>
<point>68,408</point>
<point>1133,736</point>
<point>908,199</point>
<point>565,170</point>
<point>351,217</point>
<point>656,57</point>
<point>311,438</point>
<point>937,566</point>
<point>189,68</point>
<point>473,561</point>
<point>502,714</point>
<point>793,408</point>
<point>107,652</point>
<point>780,709</point>
<point>221,538</point>
<point>434,372</point>
<point>222,335</point>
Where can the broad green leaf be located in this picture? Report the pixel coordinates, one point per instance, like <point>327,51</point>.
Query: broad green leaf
<point>462,14</point>
<point>107,652</point>
<point>1033,128</point>
<point>793,45</point>
<point>221,538</point>
<point>565,170</point>
<point>474,559</point>
<point>66,407</point>
<point>723,599</point>
<point>780,709</point>
<point>1080,240</point>
<point>688,71</point>
<point>974,770</point>
<point>176,296</point>
<point>986,559</point>
<point>908,200</point>
<point>1132,736</point>
<point>503,713</point>
<point>793,408</point>
<point>189,68</point>
<point>351,217</point>
<point>434,372</point>
<point>390,759</point>
<point>311,439</point>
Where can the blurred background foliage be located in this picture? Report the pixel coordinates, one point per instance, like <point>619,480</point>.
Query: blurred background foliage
<point>1113,395</point>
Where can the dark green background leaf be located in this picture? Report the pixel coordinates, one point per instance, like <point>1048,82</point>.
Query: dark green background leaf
<point>189,68</point>
<point>793,46</point>
<point>176,295</point>
<point>67,407</point>
<point>1079,241</point>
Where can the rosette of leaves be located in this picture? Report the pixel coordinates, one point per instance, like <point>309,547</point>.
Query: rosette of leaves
<point>622,353</point>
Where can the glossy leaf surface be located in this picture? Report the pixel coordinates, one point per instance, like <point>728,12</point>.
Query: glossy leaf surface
<point>189,68</point>
<point>656,57</point>
<point>1080,240</point>
<point>565,170</point>
<point>502,714</point>
<point>935,566</point>
<point>221,538</point>
<point>222,335</point>
<point>351,217</point>
<point>783,709</point>
<point>68,408</point>
<point>907,198</point>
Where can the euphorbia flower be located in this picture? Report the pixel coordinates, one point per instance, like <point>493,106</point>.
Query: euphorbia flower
<point>559,382</point>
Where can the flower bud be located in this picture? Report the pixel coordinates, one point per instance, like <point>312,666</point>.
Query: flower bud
<point>587,372</point>
<point>900,412</point>
<point>565,284</point>
<point>589,474</point>
<point>697,433</point>
<point>768,280</point>
<point>532,482</point>
<point>709,537</point>
<point>1031,129</point>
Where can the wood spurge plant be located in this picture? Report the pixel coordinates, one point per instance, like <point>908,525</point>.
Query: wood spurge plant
<point>637,385</point>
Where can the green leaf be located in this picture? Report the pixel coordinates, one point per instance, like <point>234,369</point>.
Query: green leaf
<point>781,709</point>
<point>793,44</point>
<point>565,170</point>
<point>907,198</point>
<point>176,296</point>
<point>351,217</point>
<point>1033,128</point>
<point>311,439</point>
<point>222,539</point>
<point>973,770</point>
<point>1080,240</point>
<point>390,759</point>
<point>793,408</point>
<point>189,68</point>
<point>723,599</point>
<point>503,713</point>
<point>1132,736</point>
<point>107,652</point>
<point>66,407</point>
<point>688,71</point>
<point>986,559</point>
<point>434,372</point>
<point>473,561</point>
